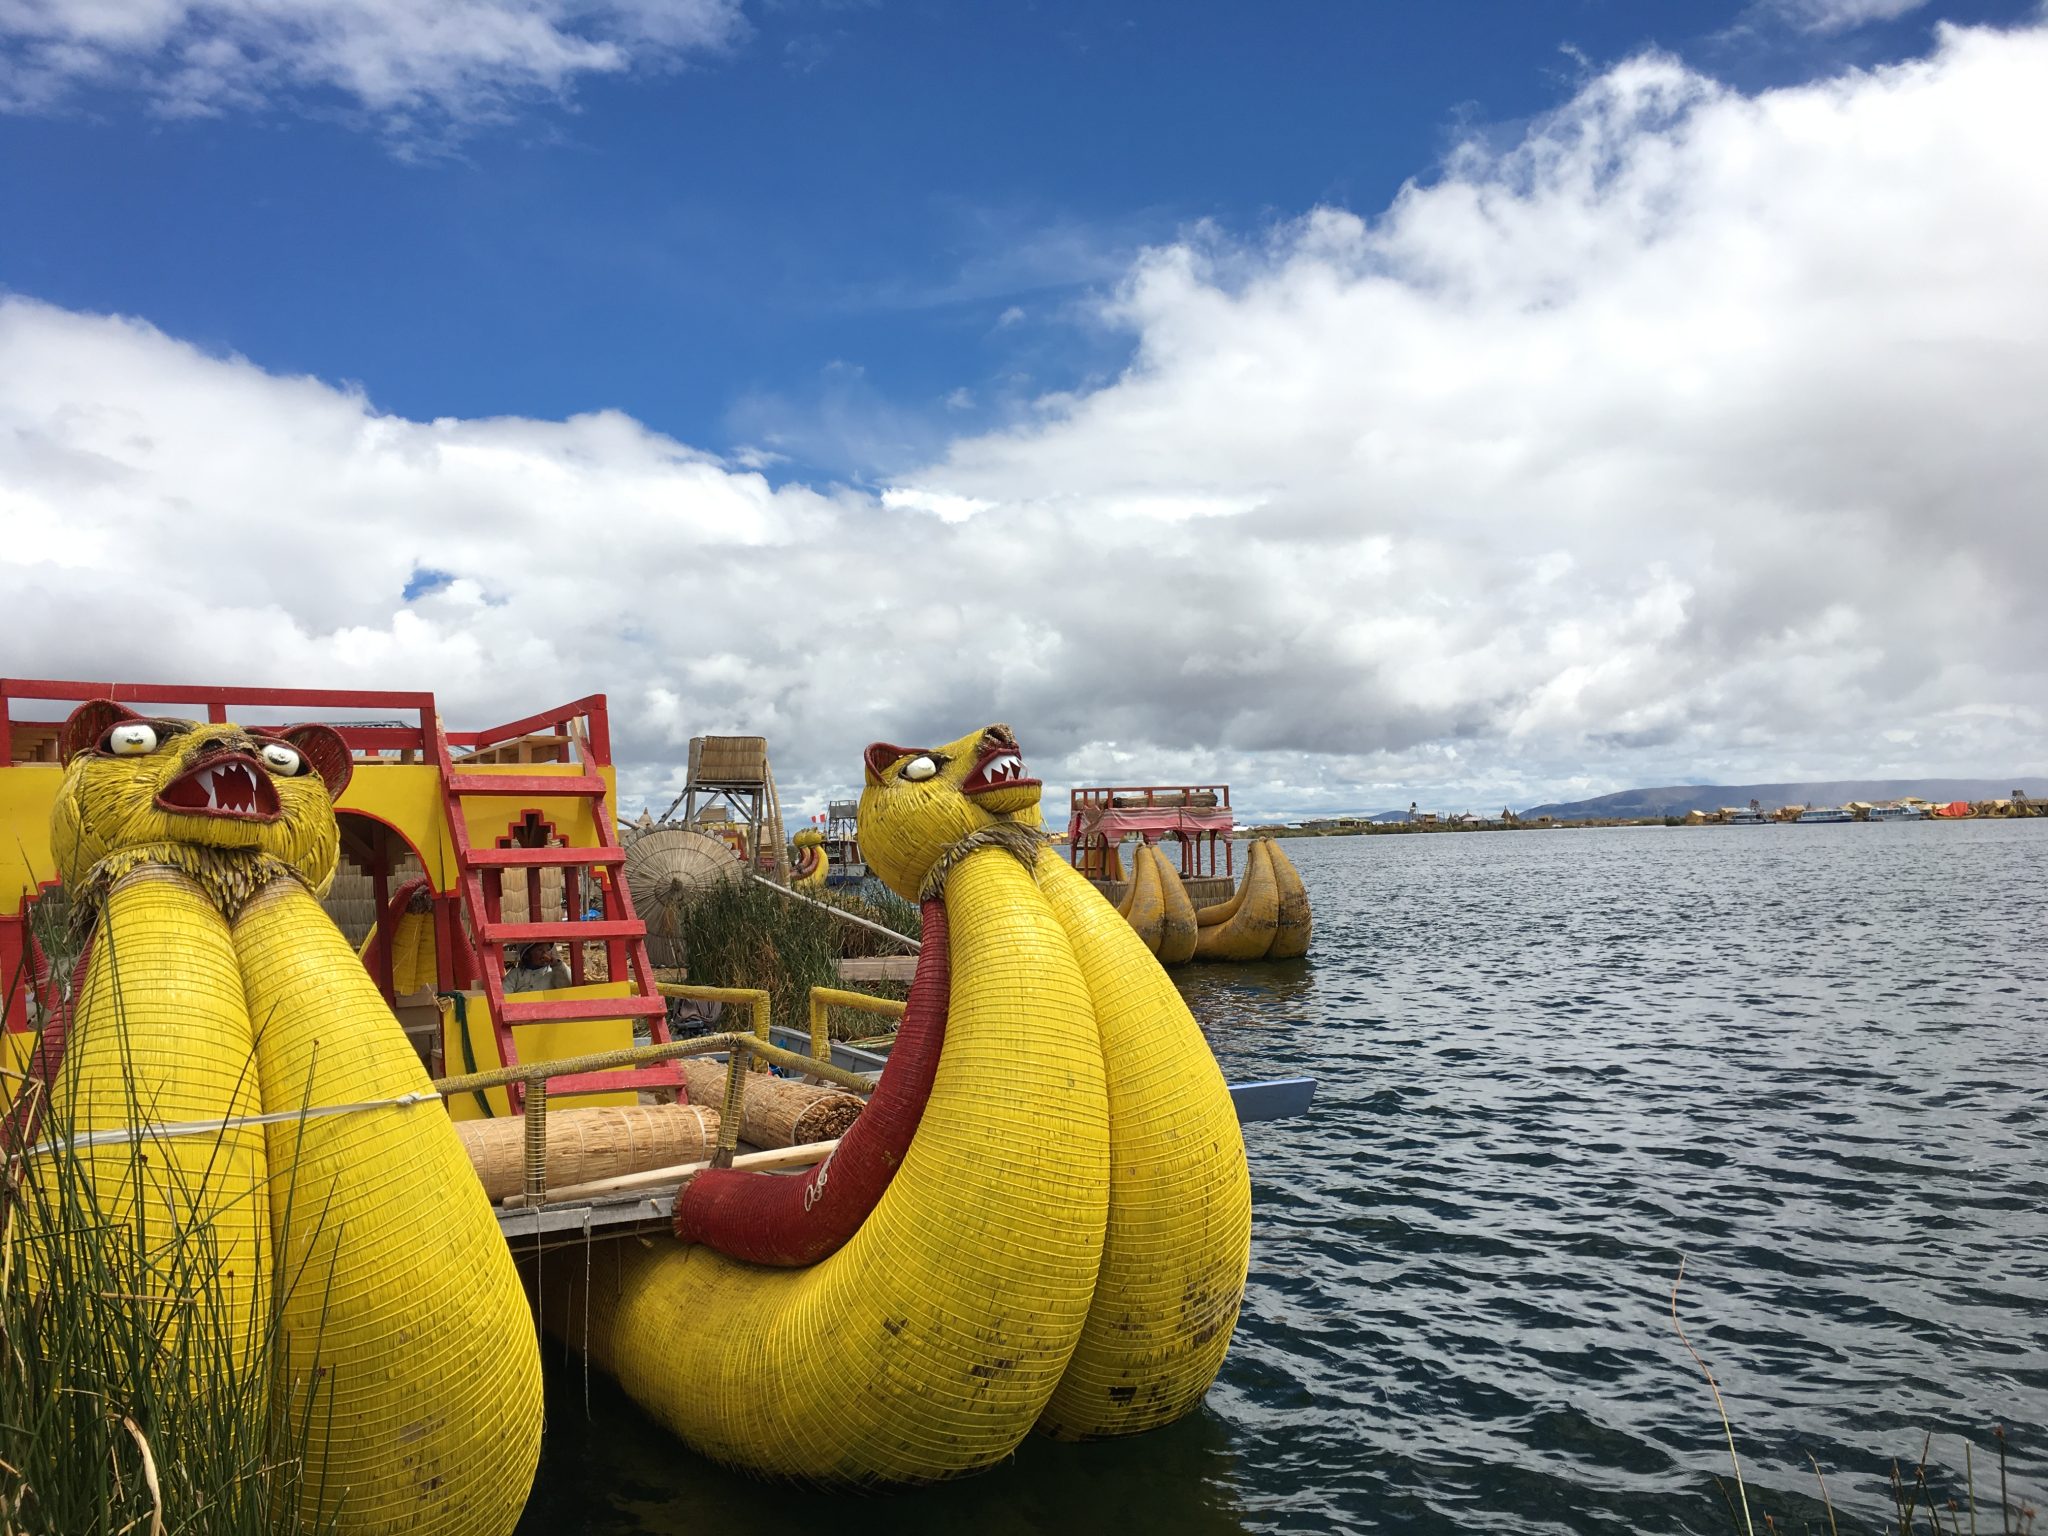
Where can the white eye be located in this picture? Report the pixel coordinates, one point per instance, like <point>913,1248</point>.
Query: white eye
<point>281,759</point>
<point>919,769</point>
<point>131,740</point>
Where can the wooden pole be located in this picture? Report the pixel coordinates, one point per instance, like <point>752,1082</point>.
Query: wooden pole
<point>845,917</point>
<point>654,1178</point>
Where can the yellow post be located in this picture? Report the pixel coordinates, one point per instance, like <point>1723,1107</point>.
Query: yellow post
<point>536,1111</point>
<point>754,997</point>
<point>733,1109</point>
<point>824,999</point>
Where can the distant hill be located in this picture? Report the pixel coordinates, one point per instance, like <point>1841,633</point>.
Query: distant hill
<point>1677,799</point>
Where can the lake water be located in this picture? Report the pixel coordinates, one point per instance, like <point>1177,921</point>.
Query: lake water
<point>1813,1060</point>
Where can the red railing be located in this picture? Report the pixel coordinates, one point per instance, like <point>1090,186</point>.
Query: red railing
<point>555,722</point>
<point>365,737</point>
<point>1165,797</point>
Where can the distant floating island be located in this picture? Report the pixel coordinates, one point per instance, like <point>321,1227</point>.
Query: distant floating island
<point>1683,799</point>
<point>1735,804</point>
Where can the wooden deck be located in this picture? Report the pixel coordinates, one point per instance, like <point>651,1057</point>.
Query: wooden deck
<point>879,968</point>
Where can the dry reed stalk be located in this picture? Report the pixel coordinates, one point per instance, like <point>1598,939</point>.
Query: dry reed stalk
<point>156,1493</point>
<point>1715,1387</point>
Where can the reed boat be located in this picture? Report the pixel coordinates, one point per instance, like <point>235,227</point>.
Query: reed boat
<point>1193,906</point>
<point>1030,1212</point>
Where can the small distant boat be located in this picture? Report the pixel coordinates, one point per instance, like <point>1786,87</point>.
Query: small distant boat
<point>1748,819</point>
<point>1825,813</point>
<point>1897,813</point>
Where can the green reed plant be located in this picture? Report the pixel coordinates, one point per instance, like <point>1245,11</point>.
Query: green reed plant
<point>1917,1505</point>
<point>878,904</point>
<point>132,1398</point>
<point>748,934</point>
<point>52,926</point>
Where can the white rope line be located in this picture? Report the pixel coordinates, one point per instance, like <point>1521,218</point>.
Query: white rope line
<point>216,1127</point>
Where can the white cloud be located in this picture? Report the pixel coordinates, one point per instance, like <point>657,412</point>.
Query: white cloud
<point>453,61</point>
<point>1697,434</point>
<point>1842,15</point>
<point>948,509</point>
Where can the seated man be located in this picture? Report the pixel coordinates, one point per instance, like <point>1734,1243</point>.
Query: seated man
<point>539,968</point>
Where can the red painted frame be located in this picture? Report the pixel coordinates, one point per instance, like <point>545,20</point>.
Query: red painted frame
<point>462,961</point>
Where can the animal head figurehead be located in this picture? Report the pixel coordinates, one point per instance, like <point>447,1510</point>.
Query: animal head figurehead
<point>918,803</point>
<point>807,855</point>
<point>196,796</point>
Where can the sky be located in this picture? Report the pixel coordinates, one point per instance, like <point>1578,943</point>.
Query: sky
<point>1355,403</point>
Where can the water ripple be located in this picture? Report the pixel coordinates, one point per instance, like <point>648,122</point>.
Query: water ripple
<point>1552,1063</point>
<point>1807,1058</point>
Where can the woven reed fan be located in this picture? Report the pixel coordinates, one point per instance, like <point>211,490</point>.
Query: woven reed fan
<point>665,867</point>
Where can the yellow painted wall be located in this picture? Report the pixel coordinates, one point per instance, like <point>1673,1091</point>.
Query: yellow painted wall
<point>26,795</point>
<point>536,1042</point>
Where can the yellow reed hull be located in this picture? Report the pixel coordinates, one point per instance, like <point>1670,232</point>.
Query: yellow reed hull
<point>1178,1242</point>
<point>1144,906</point>
<point>1247,934</point>
<point>1292,924</point>
<point>1178,930</point>
<point>409,1368</point>
<point>927,1346</point>
<point>160,1036</point>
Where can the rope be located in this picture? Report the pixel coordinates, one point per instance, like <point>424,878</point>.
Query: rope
<point>640,1055</point>
<point>536,1113</point>
<point>124,1133</point>
<point>468,1050</point>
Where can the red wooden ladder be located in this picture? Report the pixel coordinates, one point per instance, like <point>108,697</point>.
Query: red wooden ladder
<point>482,873</point>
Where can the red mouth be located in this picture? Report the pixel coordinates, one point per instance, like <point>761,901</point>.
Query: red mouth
<point>234,786</point>
<point>1000,766</point>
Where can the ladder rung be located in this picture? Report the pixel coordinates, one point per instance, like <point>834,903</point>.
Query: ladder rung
<point>661,1075</point>
<point>523,784</point>
<point>567,1009</point>
<point>570,933</point>
<point>526,858</point>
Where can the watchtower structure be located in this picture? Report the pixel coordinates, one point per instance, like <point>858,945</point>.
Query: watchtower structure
<point>732,772</point>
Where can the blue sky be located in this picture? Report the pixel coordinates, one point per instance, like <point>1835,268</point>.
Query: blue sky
<point>1363,402</point>
<point>810,238</point>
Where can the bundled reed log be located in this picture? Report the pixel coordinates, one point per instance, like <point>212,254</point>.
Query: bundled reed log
<point>587,1144</point>
<point>779,1111</point>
